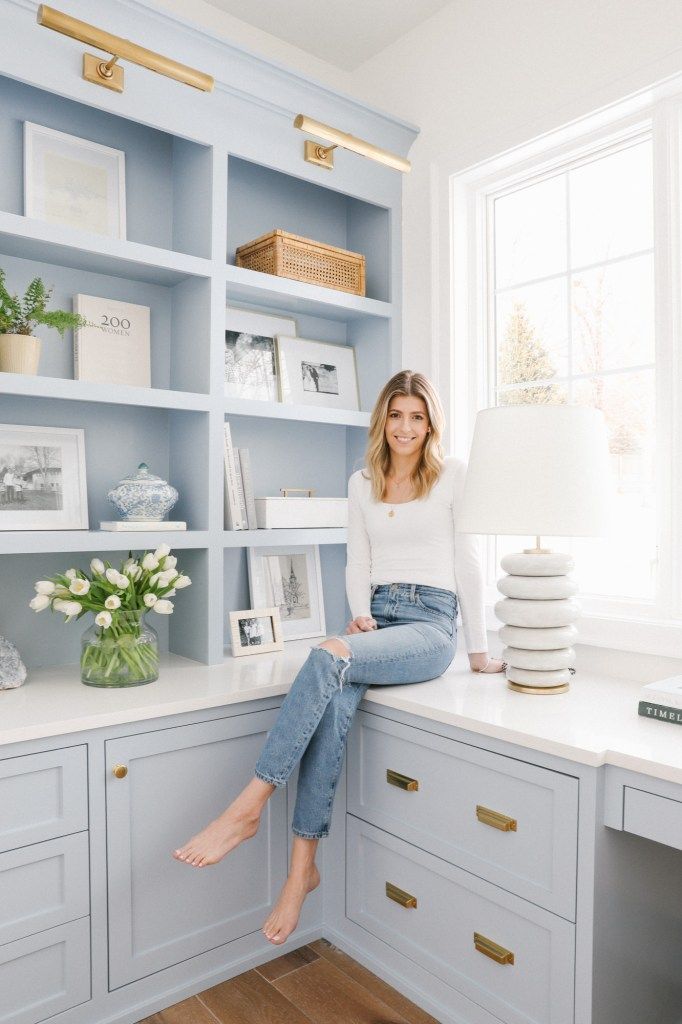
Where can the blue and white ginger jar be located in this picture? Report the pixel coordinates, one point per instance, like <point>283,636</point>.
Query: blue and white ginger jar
<point>143,496</point>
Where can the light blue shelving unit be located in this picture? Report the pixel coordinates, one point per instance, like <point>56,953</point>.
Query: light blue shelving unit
<point>204,174</point>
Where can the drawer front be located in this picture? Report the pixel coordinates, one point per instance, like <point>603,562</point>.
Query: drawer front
<point>45,974</point>
<point>43,885</point>
<point>42,796</point>
<point>462,929</point>
<point>509,822</point>
<point>653,817</point>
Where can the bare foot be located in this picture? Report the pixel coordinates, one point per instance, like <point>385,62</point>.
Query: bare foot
<point>284,917</point>
<point>219,837</point>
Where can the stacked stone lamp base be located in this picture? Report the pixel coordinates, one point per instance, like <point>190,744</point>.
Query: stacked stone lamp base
<point>538,612</point>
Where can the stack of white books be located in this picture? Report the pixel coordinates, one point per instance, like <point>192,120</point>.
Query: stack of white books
<point>240,507</point>
<point>662,700</point>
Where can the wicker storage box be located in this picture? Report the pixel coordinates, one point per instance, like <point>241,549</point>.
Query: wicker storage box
<point>302,259</point>
<point>274,513</point>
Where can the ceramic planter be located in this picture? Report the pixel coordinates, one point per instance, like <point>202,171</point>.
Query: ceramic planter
<point>19,353</point>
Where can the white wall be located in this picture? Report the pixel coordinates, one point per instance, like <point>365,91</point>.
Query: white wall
<point>482,76</point>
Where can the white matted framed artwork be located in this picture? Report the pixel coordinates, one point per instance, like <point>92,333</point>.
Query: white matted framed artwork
<point>250,356</point>
<point>42,478</point>
<point>255,631</point>
<point>73,181</point>
<point>290,578</point>
<point>317,373</point>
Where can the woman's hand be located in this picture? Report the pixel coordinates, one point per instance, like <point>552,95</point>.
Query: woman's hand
<point>482,662</point>
<point>362,624</point>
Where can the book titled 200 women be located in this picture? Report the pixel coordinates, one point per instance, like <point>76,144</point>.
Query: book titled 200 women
<point>116,348</point>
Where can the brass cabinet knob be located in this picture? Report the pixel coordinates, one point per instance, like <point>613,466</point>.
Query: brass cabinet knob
<point>401,781</point>
<point>489,948</point>
<point>405,899</point>
<point>496,819</point>
<point>120,770</point>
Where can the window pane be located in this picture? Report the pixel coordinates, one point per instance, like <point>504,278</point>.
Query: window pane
<point>530,232</point>
<point>547,394</point>
<point>532,333</point>
<point>611,206</point>
<point>613,316</point>
<point>624,563</point>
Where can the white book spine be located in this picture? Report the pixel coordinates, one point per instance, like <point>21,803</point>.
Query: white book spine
<point>232,513</point>
<point>245,463</point>
<point>665,697</point>
<point>240,490</point>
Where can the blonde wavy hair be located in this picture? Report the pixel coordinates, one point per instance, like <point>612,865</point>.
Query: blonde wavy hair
<point>378,454</point>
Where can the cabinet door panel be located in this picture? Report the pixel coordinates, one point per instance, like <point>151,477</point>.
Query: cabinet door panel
<point>43,885</point>
<point>653,817</point>
<point>512,823</point>
<point>162,911</point>
<point>45,974</point>
<point>452,907</point>
<point>42,796</point>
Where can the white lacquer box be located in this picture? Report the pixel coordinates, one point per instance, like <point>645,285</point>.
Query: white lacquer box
<point>286,513</point>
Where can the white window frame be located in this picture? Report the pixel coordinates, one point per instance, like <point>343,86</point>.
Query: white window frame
<point>654,627</point>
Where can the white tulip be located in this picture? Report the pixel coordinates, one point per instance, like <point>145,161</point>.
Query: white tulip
<point>162,551</point>
<point>112,575</point>
<point>171,593</point>
<point>112,602</point>
<point>103,619</point>
<point>150,600</point>
<point>79,587</point>
<point>150,562</point>
<point>62,592</point>
<point>122,581</point>
<point>165,578</point>
<point>182,581</point>
<point>45,587</point>
<point>39,603</point>
<point>135,571</point>
<point>67,608</point>
<point>70,574</point>
<point>163,607</point>
<point>97,566</point>
<point>169,562</point>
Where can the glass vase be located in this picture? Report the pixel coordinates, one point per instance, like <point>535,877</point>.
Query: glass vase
<point>124,654</point>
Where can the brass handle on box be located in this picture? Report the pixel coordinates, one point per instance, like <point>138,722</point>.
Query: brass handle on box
<point>401,781</point>
<point>489,948</point>
<point>496,819</point>
<point>120,771</point>
<point>286,491</point>
<point>405,899</point>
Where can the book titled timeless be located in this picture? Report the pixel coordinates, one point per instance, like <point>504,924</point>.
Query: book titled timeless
<point>116,349</point>
<point>660,712</point>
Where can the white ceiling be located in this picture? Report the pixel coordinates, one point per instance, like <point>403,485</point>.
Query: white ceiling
<point>345,34</point>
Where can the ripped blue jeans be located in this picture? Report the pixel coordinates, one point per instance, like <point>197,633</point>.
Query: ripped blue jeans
<point>415,640</point>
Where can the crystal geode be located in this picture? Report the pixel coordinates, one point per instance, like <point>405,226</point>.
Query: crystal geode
<point>12,668</point>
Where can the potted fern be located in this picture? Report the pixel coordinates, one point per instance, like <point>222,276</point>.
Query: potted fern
<point>19,350</point>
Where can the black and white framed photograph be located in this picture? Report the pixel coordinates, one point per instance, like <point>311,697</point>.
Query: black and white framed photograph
<point>42,478</point>
<point>317,373</point>
<point>255,631</point>
<point>73,181</point>
<point>250,356</point>
<point>290,579</point>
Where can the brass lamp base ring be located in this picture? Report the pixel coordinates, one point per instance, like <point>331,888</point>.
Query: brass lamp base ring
<point>521,688</point>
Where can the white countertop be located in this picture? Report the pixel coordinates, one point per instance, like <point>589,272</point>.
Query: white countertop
<point>595,723</point>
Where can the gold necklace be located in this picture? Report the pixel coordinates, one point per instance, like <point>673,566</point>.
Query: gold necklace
<point>398,483</point>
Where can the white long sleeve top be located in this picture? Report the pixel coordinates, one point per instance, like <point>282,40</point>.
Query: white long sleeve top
<point>418,544</point>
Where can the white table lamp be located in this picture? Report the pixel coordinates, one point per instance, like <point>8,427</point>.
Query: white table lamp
<point>538,470</point>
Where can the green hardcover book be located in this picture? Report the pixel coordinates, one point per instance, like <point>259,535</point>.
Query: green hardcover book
<point>660,712</point>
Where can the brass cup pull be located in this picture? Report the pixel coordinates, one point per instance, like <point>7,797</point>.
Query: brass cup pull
<point>120,771</point>
<point>496,819</point>
<point>405,899</point>
<point>401,781</point>
<point>489,948</point>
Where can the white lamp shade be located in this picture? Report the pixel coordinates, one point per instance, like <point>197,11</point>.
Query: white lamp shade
<point>538,470</point>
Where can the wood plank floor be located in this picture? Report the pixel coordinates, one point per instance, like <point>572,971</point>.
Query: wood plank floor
<point>315,984</point>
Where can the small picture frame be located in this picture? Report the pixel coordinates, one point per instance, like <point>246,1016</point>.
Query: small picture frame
<point>73,181</point>
<point>318,373</point>
<point>255,631</point>
<point>290,578</point>
<point>42,478</point>
<point>250,353</point>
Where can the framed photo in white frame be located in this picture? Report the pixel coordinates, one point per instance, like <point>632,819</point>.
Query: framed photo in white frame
<point>250,353</point>
<point>289,578</point>
<point>255,631</point>
<point>73,181</point>
<point>317,373</point>
<point>42,478</point>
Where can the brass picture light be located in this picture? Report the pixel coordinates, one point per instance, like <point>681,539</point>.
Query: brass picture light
<point>107,72</point>
<point>323,155</point>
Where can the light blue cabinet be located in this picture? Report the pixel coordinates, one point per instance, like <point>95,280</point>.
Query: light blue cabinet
<point>45,974</point>
<point>42,796</point>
